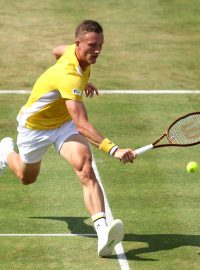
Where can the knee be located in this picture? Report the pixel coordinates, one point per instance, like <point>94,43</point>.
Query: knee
<point>87,175</point>
<point>28,180</point>
<point>28,176</point>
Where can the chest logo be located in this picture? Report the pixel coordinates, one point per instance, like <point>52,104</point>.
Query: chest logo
<point>77,92</point>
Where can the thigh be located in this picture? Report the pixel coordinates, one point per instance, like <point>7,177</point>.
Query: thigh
<point>77,152</point>
<point>63,134</point>
<point>33,144</point>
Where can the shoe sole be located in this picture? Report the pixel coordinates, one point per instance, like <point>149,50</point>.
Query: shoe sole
<point>10,141</point>
<point>115,235</point>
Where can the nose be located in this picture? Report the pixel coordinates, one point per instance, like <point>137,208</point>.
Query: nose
<point>97,51</point>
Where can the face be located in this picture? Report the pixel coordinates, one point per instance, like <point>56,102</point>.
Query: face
<point>88,48</point>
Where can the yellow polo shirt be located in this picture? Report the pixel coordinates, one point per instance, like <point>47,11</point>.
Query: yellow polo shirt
<point>46,108</point>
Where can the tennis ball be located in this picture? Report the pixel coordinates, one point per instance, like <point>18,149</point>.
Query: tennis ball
<point>192,167</point>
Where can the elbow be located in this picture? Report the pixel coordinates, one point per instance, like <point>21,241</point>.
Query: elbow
<point>82,128</point>
<point>55,53</point>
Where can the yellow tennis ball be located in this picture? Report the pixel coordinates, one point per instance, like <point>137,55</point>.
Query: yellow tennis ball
<point>192,167</point>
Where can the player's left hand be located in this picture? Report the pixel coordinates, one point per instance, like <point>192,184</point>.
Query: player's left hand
<point>90,90</point>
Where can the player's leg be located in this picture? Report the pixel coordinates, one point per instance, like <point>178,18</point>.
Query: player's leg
<point>27,173</point>
<point>77,152</point>
<point>32,145</point>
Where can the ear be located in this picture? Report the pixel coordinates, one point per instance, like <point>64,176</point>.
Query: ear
<point>77,42</point>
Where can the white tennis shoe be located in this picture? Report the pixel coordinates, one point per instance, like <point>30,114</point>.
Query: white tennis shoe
<point>115,234</point>
<point>6,146</point>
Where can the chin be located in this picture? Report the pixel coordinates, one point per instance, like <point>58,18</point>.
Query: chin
<point>93,61</point>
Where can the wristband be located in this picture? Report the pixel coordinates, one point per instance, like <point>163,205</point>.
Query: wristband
<point>108,146</point>
<point>113,150</point>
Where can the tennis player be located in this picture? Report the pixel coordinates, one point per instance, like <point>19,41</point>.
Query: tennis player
<point>55,115</point>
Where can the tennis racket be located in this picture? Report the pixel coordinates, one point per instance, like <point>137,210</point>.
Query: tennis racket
<point>184,131</point>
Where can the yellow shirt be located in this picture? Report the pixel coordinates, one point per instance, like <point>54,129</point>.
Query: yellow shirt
<point>46,108</point>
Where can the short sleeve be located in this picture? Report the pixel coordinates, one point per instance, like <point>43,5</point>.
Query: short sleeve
<point>71,87</point>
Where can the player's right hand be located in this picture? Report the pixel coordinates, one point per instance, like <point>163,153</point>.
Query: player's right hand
<point>125,155</point>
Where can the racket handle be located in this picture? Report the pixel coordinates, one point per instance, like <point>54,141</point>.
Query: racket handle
<point>143,149</point>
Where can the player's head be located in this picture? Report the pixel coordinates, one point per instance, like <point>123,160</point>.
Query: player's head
<point>87,26</point>
<point>89,40</point>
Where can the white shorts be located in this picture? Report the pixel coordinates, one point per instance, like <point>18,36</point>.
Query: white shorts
<point>33,144</point>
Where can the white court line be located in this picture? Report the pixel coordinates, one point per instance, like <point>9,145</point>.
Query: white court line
<point>123,262</point>
<point>140,92</point>
<point>47,234</point>
<point>15,92</point>
<point>149,92</point>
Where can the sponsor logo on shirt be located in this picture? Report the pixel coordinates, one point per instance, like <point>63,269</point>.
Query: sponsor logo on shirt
<point>77,92</point>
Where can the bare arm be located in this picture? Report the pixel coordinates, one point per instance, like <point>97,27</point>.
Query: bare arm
<point>78,113</point>
<point>59,51</point>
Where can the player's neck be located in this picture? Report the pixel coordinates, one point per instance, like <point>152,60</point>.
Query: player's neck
<point>82,62</point>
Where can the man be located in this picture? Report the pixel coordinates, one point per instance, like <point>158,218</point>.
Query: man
<point>55,114</point>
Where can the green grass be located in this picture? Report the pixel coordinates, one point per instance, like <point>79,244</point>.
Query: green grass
<point>148,45</point>
<point>155,197</point>
<point>51,253</point>
<point>158,199</point>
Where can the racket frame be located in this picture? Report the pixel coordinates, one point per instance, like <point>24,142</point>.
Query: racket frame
<point>155,144</point>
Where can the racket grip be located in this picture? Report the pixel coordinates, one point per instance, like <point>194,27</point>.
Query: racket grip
<point>143,149</point>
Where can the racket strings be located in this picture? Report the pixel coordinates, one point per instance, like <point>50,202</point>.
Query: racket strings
<point>185,130</point>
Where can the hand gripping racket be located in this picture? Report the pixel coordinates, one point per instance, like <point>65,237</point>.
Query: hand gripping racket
<point>184,131</point>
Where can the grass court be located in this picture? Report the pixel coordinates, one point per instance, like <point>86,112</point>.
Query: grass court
<point>148,45</point>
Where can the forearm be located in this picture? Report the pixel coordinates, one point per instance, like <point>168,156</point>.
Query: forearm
<point>91,133</point>
<point>79,116</point>
<point>97,139</point>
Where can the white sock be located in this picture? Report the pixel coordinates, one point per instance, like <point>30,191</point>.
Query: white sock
<point>100,224</point>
